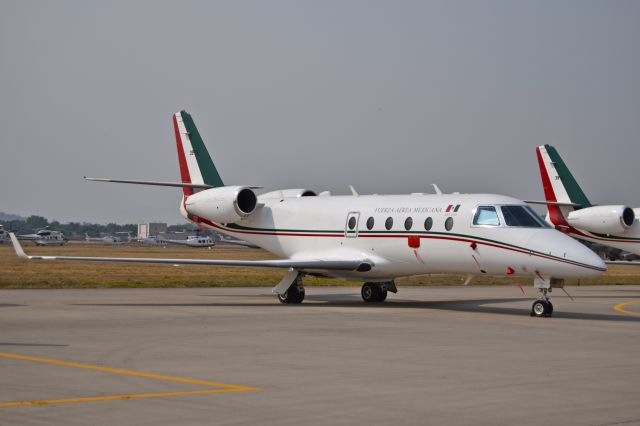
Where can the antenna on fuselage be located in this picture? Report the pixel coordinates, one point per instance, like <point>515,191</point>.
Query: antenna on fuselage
<point>435,187</point>
<point>353,191</point>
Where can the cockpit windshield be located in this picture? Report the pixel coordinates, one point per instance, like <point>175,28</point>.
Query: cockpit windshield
<point>486,215</point>
<point>522,216</point>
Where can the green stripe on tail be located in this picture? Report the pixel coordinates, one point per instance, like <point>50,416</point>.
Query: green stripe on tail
<point>568,181</point>
<point>209,172</point>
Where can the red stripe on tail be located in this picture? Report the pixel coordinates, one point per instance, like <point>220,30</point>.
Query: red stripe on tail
<point>555,214</point>
<point>182,160</point>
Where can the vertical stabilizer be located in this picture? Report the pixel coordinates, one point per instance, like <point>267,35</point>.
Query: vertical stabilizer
<point>195,162</point>
<point>559,185</point>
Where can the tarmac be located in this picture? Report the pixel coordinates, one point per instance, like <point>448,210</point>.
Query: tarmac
<point>227,356</point>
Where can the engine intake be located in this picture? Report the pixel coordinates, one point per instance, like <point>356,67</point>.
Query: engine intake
<point>602,219</point>
<point>227,204</point>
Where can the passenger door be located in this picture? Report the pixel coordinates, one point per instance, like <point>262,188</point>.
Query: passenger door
<point>351,225</point>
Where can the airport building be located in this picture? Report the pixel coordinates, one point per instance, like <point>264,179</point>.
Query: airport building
<point>146,230</point>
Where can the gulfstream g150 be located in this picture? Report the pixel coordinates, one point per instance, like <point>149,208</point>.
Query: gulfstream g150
<point>369,238</point>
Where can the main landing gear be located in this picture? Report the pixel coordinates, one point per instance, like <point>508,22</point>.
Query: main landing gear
<point>295,293</point>
<point>377,292</point>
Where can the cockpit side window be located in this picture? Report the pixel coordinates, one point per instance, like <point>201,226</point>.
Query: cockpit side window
<point>486,215</point>
<point>521,216</point>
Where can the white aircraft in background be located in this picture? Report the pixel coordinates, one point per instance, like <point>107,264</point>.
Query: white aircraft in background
<point>151,241</point>
<point>107,239</point>
<point>369,238</point>
<point>569,210</point>
<point>193,241</point>
<point>3,234</point>
<point>226,240</point>
<point>45,237</point>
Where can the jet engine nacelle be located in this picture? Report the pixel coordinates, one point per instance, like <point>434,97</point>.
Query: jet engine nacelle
<point>602,219</point>
<point>288,193</point>
<point>227,204</point>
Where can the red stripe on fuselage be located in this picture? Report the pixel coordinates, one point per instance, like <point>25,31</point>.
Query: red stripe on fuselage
<point>435,237</point>
<point>182,160</point>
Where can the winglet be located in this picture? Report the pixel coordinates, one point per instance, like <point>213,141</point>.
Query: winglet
<point>17,246</point>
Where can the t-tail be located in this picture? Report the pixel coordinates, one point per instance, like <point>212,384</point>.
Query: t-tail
<point>561,190</point>
<point>196,166</point>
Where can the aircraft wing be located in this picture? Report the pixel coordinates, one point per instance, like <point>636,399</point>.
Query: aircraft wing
<point>622,263</point>
<point>319,264</point>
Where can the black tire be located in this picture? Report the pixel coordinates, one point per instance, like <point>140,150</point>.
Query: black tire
<point>540,308</point>
<point>369,292</point>
<point>550,305</point>
<point>373,293</point>
<point>295,294</point>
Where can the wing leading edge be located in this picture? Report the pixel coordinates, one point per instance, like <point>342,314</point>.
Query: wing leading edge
<point>335,265</point>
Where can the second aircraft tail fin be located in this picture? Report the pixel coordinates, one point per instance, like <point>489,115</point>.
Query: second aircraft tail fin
<point>561,190</point>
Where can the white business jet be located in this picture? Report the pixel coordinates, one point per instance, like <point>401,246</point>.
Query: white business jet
<point>370,238</point>
<point>569,209</point>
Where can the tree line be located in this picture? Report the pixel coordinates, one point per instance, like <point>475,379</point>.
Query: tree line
<point>33,223</point>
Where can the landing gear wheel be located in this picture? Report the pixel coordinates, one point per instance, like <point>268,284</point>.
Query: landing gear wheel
<point>550,307</point>
<point>383,295</point>
<point>293,295</point>
<point>373,293</point>
<point>541,308</point>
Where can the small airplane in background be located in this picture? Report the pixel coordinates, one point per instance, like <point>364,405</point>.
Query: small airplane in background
<point>226,240</point>
<point>45,237</point>
<point>369,238</point>
<point>107,239</point>
<point>570,211</point>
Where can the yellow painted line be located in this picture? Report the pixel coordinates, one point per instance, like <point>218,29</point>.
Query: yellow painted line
<point>621,308</point>
<point>221,387</point>
<point>115,397</point>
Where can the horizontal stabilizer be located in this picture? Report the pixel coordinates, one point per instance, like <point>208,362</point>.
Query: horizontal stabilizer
<point>622,263</point>
<point>154,183</point>
<point>553,203</point>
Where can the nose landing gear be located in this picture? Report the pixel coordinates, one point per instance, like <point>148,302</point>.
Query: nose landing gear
<point>543,306</point>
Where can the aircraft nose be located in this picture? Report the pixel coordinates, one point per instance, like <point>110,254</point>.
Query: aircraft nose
<point>568,258</point>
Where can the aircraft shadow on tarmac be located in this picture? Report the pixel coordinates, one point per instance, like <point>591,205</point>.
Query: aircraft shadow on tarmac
<point>353,301</point>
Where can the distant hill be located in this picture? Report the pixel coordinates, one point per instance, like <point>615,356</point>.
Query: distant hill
<point>9,216</point>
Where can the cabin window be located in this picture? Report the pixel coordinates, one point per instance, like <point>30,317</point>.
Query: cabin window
<point>521,216</point>
<point>352,222</point>
<point>408,223</point>
<point>448,224</point>
<point>388,223</point>
<point>486,215</point>
<point>370,223</point>
<point>428,224</point>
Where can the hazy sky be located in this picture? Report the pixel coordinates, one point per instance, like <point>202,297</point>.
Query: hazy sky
<point>388,96</point>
